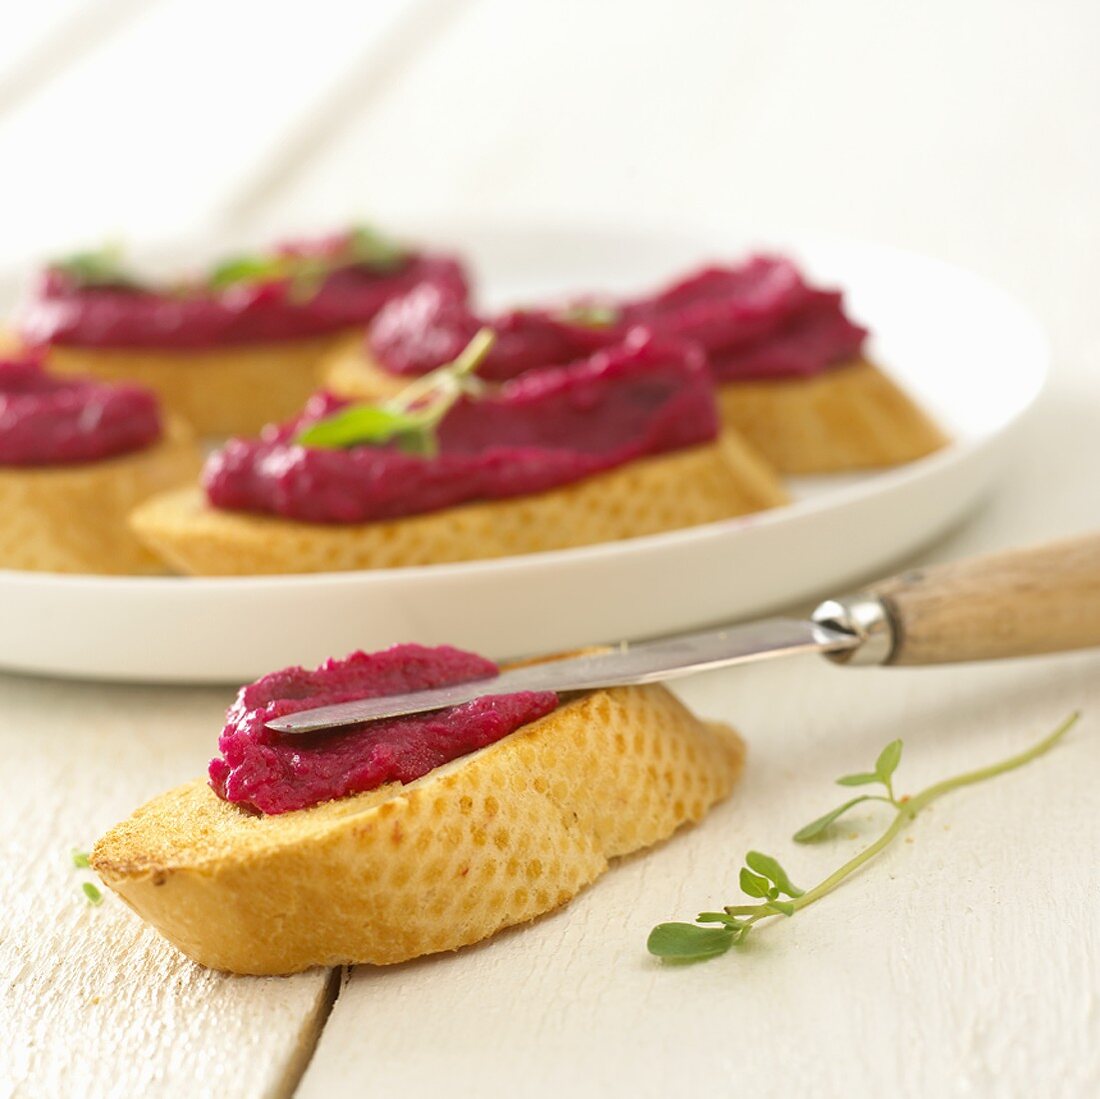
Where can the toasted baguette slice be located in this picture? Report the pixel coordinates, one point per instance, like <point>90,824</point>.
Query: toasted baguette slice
<point>74,518</point>
<point>350,370</point>
<point>680,489</point>
<point>850,417</point>
<point>493,839</point>
<point>231,390</point>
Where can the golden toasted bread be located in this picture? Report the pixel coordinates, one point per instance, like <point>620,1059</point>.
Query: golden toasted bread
<point>849,417</point>
<point>493,839</point>
<point>74,518</point>
<point>679,489</point>
<point>350,370</point>
<point>231,390</point>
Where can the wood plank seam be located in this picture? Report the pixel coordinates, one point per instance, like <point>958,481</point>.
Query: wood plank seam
<point>296,1068</point>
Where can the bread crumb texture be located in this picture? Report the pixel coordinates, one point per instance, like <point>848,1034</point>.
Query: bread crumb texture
<point>488,841</point>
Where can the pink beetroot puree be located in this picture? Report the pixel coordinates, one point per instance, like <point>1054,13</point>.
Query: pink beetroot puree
<point>64,312</point>
<point>274,773</point>
<point>50,420</point>
<point>433,322</point>
<point>759,319</point>
<point>545,429</point>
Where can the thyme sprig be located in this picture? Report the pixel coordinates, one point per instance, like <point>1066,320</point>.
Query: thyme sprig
<point>411,419</point>
<point>762,877</point>
<point>306,272</point>
<point>96,267</point>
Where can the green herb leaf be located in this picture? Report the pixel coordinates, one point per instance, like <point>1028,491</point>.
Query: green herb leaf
<point>590,315</point>
<point>770,868</point>
<point>246,269</point>
<point>816,828</point>
<point>753,884</point>
<point>101,267</point>
<point>369,248</point>
<point>687,942</point>
<point>863,778</point>
<point>716,917</point>
<point>80,859</point>
<point>888,760</point>
<point>94,895</point>
<point>420,442</point>
<point>356,425</point>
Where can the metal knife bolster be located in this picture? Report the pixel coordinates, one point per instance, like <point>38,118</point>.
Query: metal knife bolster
<point>866,617</point>
<point>645,662</point>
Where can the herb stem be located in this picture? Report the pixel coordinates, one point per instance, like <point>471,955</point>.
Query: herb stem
<point>908,810</point>
<point>446,377</point>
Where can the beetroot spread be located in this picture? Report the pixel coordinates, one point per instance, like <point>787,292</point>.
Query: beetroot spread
<point>545,429</point>
<point>759,319</point>
<point>50,420</point>
<point>273,773</point>
<point>65,311</point>
<point>432,323</point>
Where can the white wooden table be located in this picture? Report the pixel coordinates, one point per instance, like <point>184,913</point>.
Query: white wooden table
<point>965,961</point>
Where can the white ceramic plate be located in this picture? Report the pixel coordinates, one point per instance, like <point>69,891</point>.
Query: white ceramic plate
<point>970,354</point>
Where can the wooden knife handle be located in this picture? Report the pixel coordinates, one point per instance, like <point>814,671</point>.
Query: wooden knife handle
<point>1020,602</point>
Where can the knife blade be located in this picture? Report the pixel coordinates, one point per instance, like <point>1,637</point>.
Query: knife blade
<point>1019,602</point>
<point>626,664</point>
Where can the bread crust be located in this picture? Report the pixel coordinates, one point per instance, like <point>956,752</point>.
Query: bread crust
<point>849,417</point>
<point>232,390</point>
<point>494,839</point>
<point>665,492</point>
<point>75,518</point>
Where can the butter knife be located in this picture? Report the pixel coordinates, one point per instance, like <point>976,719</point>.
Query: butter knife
<point>1020,602</point>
